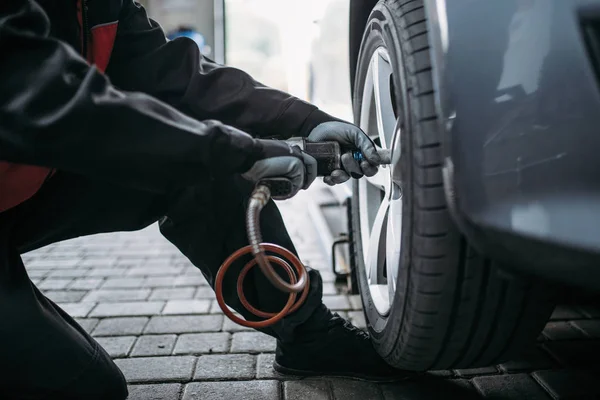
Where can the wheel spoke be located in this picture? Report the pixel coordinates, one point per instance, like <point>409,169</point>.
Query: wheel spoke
<point>365,112</point>
<point>377,244</point>
<point>386,120</point>
<point>381,179</point>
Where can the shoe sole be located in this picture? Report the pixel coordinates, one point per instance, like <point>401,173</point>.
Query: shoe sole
<point>346,375</point>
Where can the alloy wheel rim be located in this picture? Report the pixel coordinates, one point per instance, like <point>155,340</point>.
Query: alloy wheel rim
<point>380,196</point>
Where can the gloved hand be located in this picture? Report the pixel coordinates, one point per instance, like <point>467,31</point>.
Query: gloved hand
<point>350,137</point>
<point>280,160</point>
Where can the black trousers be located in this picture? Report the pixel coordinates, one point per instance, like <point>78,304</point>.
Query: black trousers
<point>44,353</point>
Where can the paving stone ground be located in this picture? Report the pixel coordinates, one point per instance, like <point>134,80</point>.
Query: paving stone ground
<point>156,316</point>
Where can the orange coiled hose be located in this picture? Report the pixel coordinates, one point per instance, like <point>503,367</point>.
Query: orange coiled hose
<point>299,280</point>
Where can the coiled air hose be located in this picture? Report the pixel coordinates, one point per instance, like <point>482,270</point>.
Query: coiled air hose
<point>299,279</point>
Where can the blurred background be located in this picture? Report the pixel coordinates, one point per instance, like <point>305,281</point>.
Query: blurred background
<point>297,46</point>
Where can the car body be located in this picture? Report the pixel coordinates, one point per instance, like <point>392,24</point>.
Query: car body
<point>517,91</point>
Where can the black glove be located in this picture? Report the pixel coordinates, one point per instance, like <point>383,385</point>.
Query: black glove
<point>350,137</point>
<point>280,160</point>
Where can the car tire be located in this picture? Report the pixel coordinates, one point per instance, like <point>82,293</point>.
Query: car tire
<point>452,307</point>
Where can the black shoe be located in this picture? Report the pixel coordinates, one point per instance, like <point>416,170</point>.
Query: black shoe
<point>328,345</point>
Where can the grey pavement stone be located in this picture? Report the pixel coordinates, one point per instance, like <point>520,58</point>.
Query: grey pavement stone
<point>225,366</point>
<point>358,319</point>
<point>252,342</point>
<point>264,368</point>
<point>98,262</point>
<point>252,390</point>
<point>329,288</point>
<point>114,283</point>
<point>121,326</point>
<point>350,389</point>
<point>88,324</point>
<point>181,293</point>
<point>355,302</point>
<point>569,384</point>
<point>54,284</point>
<point>157,369</point>
<point>188,269</point>
<point>117,346</point>
<point>127,309</point>
<point>86,283</point>
<point>142,255</point>
<point>128,262</point>
<point>185,324</point>
<point>179,260</point>
<point>312,389</point>
<point>64,296</point>
<point>204,292</point>
<point>590,327</point>
<point>154,345</point>
<point>117,295</point>
<point>564,312</point>
<point>69,273</point>
<point>53,263</point>
<point>190,272</point>
<point>201,343</point>
<point>191,280</point>
<point>531,359</point>
<point>107,272</point>
<point>77,309</point>
<point>58,252</point>
<point>153,271</point>
<point>337,302</point>
<point>343,314</point>
<point>326,275</point>
<point>181,307</point>
<point>230,326</point>
<point>38,273</point>
<point>468,372</point>
<point>518,386</point>
<point>162,391</point>
<point>561,331</point>
<point>214,308</point>
<point>159,281</point>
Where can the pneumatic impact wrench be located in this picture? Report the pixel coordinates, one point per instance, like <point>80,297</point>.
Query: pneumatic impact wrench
<point>328,156</point>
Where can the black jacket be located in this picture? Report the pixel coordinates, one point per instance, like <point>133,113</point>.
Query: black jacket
<point>159,117</point>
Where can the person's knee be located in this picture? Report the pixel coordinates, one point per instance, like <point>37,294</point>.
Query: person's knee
<point>103,380</point>
<point>117,386</point>
<point>110,381</point>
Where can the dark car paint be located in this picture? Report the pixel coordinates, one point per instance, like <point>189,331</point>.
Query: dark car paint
<point>519,101</point>
<point>359,15</point>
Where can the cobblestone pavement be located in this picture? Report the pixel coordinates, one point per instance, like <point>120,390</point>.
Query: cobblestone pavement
<point>155,314</point>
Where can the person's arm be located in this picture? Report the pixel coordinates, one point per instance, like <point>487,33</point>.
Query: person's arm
<point>176,72</point>
<point>57,111</point>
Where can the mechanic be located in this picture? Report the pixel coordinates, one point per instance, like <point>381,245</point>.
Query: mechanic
<point>142,130</point>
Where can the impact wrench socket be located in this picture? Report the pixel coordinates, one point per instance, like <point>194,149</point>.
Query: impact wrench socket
<point>329,158</point>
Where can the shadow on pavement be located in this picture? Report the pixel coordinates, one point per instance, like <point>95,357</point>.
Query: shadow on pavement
<point>431,388</point>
